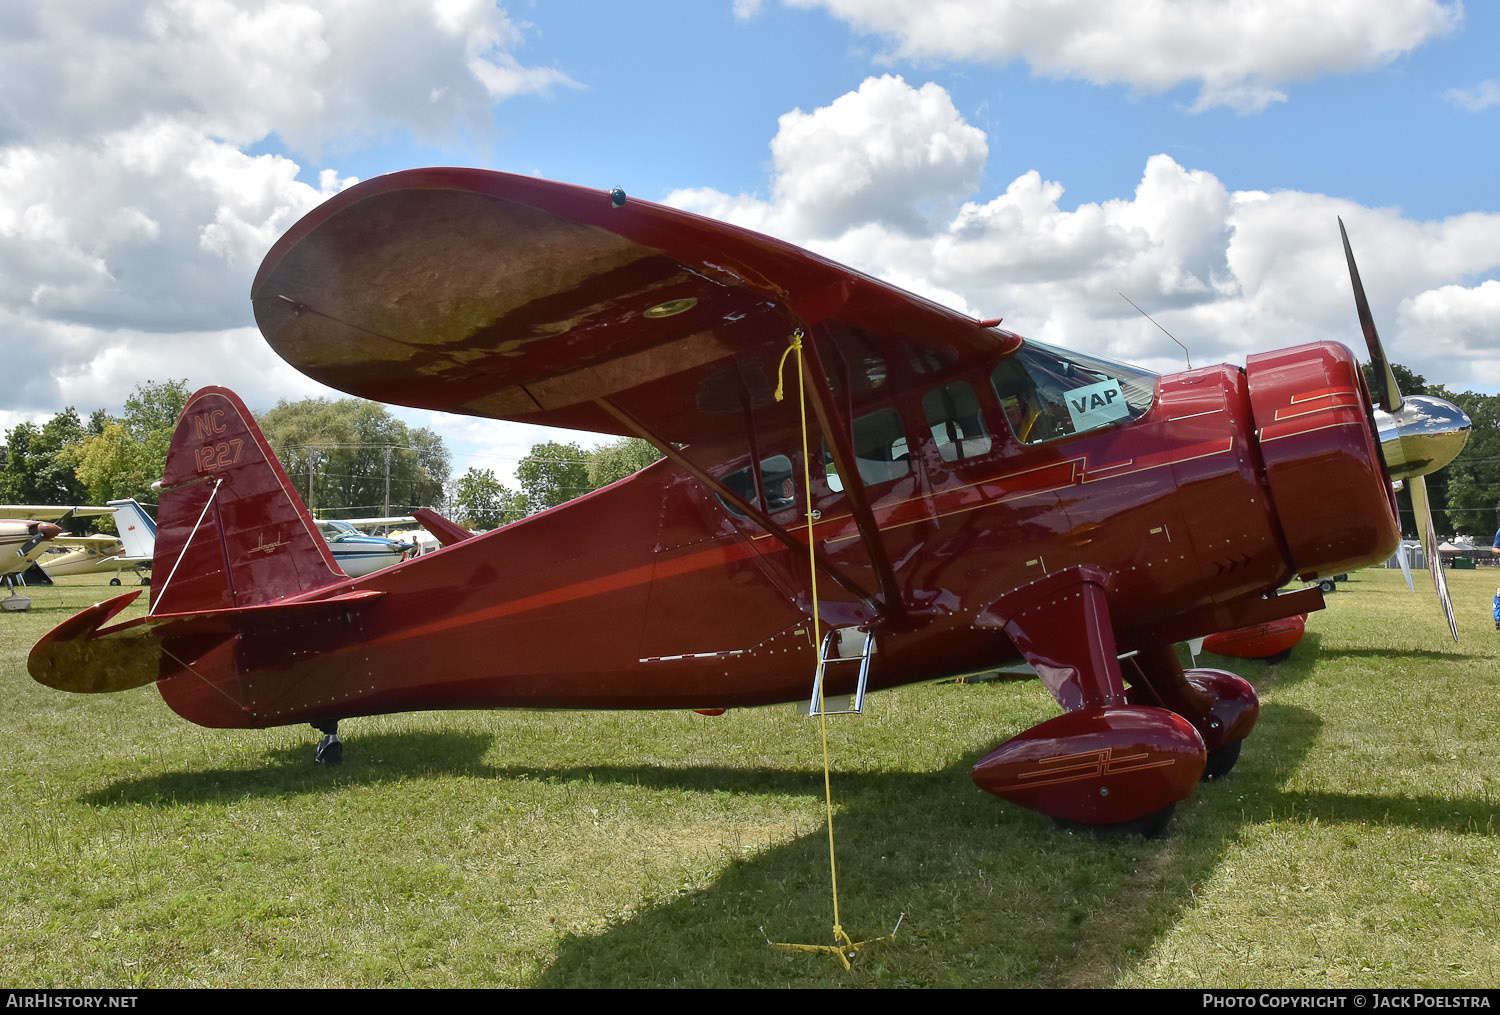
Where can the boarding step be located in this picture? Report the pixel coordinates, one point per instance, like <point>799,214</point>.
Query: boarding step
<point>842,645</point>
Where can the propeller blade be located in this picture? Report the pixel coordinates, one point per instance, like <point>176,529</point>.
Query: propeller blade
<point>1387,393</point>
<point>1403,554</point>
<point>40,533</point>
<point>1423,508</point>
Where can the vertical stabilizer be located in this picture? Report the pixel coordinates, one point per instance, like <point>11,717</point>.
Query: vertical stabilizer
<point>231,530</point>
<point>137,530</point>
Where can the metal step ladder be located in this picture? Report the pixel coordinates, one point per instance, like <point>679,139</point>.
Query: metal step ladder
<point>843,645</point>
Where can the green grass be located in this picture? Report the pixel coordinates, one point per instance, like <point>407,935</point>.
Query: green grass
<point>1355,844</point>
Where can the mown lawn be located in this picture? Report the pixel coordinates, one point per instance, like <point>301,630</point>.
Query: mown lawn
<point>1356,844</point>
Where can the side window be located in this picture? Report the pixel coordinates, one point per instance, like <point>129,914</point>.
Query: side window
<point>775,476</point>
<point>958,428</point>
<point>1047,393</point>
<point>880,450</point>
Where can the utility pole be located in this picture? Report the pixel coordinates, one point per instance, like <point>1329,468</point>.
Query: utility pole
<point>385,509</point>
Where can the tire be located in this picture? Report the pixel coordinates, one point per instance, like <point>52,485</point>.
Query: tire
<point>1149,826</point>
<point>1220,762</point>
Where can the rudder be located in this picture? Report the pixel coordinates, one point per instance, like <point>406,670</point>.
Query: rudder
<point>231,530</point>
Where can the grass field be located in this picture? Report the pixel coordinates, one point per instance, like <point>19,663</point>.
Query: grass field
<point>1355,845</point>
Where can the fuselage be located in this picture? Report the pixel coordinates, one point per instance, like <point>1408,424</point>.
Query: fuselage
<point>1198,502</point>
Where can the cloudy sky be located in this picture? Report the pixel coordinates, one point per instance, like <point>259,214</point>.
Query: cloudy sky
<point>1022,160</point>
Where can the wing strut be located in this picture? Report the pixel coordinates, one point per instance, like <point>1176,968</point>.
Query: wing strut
<point>838,436</point>
<point>635,426</point>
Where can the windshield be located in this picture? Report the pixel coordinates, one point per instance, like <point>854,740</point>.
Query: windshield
<point>1049,393</point>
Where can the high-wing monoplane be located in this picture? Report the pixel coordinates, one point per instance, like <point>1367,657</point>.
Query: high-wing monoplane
<point>26,532</point>
<point>131,550</point>
<point>859,486</point>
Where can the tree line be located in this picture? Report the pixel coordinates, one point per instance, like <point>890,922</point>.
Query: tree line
<point>350,457</point>
<point>346,457</point>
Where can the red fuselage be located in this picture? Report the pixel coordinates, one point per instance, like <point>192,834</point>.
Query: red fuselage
<point>651,593</point>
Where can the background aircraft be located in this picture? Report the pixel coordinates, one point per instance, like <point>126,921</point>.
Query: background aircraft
<point>26,532</point>
<point>130,550</point>
<point>358,553</point>
<point>934,496</point>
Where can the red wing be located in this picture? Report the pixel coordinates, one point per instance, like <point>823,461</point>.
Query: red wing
<point>516,298</point>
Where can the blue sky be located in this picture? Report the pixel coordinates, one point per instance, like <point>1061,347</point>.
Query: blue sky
<point>1018,160</point>
<point>684,94</point>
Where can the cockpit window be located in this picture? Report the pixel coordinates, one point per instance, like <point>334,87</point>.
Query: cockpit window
<point>958,428</point>
<point>880,450</point>
<point>775,476</point>
<point>1049,393</point>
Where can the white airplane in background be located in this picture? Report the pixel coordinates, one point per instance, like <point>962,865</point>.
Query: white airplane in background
<point>26,532</point>
<point>131,550</point>
<point>358,554</point>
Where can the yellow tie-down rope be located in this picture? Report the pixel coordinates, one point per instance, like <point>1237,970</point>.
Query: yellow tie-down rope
<point>842,948</point>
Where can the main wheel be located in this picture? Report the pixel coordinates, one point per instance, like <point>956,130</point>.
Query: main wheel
<point>1148,826</point>
<point>1222,760</point>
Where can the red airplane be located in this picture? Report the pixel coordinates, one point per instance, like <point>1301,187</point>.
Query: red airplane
<point>957,498</point>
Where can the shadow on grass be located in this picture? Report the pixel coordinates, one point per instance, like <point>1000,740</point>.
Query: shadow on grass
<point>371,759</point>
<point>993,895</point>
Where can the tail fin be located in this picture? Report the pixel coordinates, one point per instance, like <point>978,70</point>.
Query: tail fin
<point>137,530</point>
<point>231,531</point>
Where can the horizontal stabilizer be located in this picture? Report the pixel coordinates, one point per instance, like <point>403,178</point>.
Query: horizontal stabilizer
<point>445,531</point>
<point>84,656</point>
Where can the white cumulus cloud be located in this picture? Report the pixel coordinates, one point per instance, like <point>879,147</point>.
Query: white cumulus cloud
<point>133,209</point>
<point>1240,53</point>
<point>1481,97</point>
<point>1226,272</point>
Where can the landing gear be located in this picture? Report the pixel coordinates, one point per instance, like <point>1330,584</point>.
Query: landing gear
<point>1222,760</point>
<point>14,603</point>
<point>1148,826</point>
<point>330,749</point>
<point>1221,706</point>
<point>1118,760</point>
<point>114,581</point>
<point>1109,762</point>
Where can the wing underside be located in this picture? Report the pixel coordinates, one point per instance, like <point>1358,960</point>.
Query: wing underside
<point>517,298</point>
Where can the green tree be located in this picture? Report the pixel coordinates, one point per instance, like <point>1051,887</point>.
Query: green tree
<point>39,462</point>
<point>611,462</point>
<point>551,474</point>
<point>1472,481</point>
<point>480,501</point>
<point>123,457</point>
<point>363,459</point>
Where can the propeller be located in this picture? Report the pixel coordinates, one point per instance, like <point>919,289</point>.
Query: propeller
<point>40,533</point>
<point>1418,434</point>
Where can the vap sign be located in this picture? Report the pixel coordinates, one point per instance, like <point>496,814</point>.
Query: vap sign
<point>1097,404</point>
